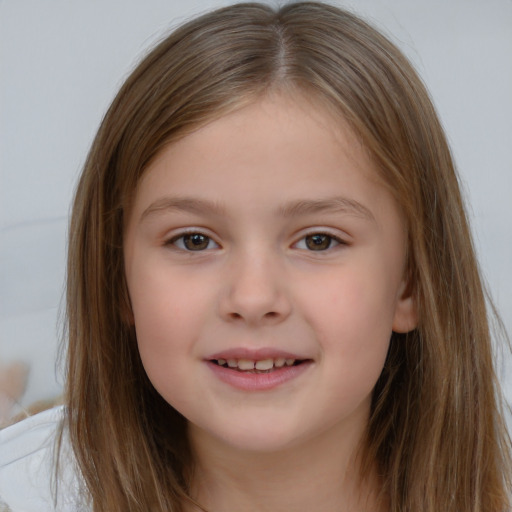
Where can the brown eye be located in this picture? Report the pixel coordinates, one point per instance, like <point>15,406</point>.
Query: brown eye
<point>196,242</point>
<point>318,242</point>
<point>193,242</point>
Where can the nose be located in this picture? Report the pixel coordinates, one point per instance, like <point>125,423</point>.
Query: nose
<point>255,291</point>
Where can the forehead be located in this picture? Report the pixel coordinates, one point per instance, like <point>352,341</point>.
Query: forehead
<point>278,121</point>
<point>278,148</point>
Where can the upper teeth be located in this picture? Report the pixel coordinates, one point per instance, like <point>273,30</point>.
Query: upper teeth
<point>262,364</point>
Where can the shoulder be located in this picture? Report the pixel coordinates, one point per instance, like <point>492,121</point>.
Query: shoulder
<point>28,478</point>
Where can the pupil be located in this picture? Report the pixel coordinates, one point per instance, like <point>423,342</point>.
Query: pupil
<point>318,242</point>
<point>196,241</point>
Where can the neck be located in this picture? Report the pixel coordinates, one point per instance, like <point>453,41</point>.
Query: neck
<point>322,474</point>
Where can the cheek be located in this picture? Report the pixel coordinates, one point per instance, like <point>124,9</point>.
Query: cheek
<point>353,322</point>
<point>165,334</point>
<point>167,321</point>
<point>353,302</point>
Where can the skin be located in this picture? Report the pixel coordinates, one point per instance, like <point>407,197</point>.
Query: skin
<point>257,283</point>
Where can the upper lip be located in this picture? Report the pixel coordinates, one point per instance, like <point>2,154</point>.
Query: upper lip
<point>255,354</point>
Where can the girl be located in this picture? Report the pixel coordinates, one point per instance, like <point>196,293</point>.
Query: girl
<point>273,298</point>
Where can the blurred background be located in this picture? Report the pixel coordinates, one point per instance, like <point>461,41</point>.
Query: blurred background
<point>61,63</point>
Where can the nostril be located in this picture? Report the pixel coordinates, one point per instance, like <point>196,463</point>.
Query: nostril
<point>270,315</point>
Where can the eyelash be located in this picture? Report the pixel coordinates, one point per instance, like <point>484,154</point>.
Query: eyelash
<point>330,238</point>
<point>184,237</point>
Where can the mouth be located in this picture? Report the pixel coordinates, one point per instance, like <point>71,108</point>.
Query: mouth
<point>267,365</point>
<point>262,369</point>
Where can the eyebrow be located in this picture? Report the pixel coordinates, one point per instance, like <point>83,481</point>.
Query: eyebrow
<point>295,208</point>
<point>183,204</point>
<point>328,205</point>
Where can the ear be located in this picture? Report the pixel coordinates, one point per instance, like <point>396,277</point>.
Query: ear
<point>406,312</point>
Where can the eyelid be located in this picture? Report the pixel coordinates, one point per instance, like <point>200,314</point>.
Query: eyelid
<point>340,239</point>
<point>337,237</point>
<point>170,241</point>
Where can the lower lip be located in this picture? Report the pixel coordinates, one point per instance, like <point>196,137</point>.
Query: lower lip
<point>258,381</point>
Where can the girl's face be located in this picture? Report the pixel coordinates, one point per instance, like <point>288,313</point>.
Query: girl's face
<point>265,266</point>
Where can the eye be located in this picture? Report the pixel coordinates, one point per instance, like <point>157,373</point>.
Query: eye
<point>318,242</point>
<point>193,242</point>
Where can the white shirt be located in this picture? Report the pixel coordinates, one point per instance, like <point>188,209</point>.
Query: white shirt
<point>27,467</point>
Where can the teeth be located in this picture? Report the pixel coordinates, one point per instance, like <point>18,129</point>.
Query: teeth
<point>279,362</point>
<point>266,364</point>
<point>261,365</point>
<point>245,364</point>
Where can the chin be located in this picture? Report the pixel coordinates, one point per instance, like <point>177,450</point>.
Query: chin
<point>258,438</point>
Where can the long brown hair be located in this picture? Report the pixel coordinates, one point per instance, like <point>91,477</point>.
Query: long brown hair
<point>436,429</point>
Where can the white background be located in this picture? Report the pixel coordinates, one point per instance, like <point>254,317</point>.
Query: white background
<point>61,62</point>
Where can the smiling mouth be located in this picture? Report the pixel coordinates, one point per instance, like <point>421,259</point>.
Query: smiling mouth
<point>260,366</point>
